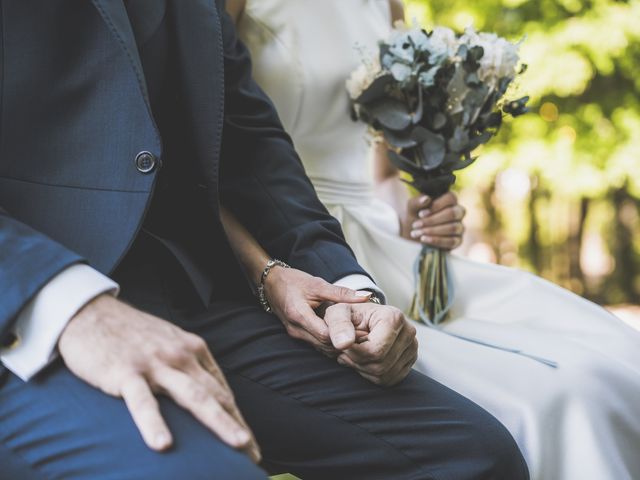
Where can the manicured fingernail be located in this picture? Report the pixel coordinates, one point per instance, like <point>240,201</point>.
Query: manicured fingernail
<point>363,294</point>
<point>426,239</point>
<point>415,234</point>
<point>424,213</point>
<point>424,199</point>
<point>417,224</point>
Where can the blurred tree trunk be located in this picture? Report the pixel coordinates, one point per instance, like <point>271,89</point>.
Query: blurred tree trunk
<point>622,244</point>
<point>494,226</point>
<point>532,247</point>
<point>575,242</point>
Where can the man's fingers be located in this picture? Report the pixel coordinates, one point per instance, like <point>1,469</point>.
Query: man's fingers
<point>203,405</point>
<point>300,333</point>
<point>302,315</point>
<point>395,374</point>
<point>341,328</point>
<point>406,342</point>
<point>336,294</point>
<point>145,412</point>
<point>223,394</point>
<point>401,369</point>
<point>382,336</point>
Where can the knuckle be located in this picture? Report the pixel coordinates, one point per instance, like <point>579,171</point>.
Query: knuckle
<point>323,337</point>
<point>175,355</point>
<point>317,283</point>
<point>196,343</point>
<point>397,317</point>
<point>146,402</point>
<point>292,332</point>
<point>292,313</point>
<point>377,369</point>
<point>412,331</point>
<point>226,400</point>
<point>376,353</point>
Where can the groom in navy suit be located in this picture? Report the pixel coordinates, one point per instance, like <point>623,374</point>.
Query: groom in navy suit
<point>123,127</point>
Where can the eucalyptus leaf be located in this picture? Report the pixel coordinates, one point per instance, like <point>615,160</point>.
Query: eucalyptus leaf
<point>472,80</point>
<point>416,117</point>
<point>459,141</point>
<point>403,163</point>
<point>478,140</point>
<point>494,120</point>
<point>516,108</point>
<point>438,120</point>
<point>399,139</point>
<point>433,150</point>
<point>463,163</point>
<point>390,113</point>
<point>376,90</point>
<point>503,84</point>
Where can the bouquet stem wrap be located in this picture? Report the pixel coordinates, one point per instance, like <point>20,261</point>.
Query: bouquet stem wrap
<point>434,293</point>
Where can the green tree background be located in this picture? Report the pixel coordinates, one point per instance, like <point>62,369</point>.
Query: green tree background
<point>558,192</point>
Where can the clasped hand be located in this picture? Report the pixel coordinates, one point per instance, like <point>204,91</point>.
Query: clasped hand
<point>375,340</point>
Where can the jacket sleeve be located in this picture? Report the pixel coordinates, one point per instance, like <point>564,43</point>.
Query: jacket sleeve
<point>263,182</point>
<point>28,260</point>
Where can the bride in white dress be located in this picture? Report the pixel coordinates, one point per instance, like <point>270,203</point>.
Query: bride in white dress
<point>571,398</point>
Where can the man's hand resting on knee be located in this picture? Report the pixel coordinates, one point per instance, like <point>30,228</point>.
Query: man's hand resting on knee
<point>375,340</point>
<point>133,355</point>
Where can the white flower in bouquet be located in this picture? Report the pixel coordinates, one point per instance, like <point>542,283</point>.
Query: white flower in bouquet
<point>500,57</point>
<point>443,42</point>
<point>363,77</point>
<point>435,97</point>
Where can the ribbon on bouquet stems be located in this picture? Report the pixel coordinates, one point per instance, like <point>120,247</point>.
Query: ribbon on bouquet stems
<point>434,293</point>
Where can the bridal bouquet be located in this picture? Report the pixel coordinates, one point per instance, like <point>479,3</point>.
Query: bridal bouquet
<point>435,97</point>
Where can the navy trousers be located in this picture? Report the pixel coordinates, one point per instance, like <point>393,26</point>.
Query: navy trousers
<point>311,416</point>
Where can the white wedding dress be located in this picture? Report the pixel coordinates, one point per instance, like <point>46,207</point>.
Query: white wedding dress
<point>578,421</point>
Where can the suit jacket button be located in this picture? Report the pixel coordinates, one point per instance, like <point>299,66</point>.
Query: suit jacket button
<point>146,162</point>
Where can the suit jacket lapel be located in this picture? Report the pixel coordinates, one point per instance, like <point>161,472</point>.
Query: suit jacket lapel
<point>114,14</point>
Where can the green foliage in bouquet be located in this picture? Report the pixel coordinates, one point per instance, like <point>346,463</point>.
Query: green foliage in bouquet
<point>436,96</point>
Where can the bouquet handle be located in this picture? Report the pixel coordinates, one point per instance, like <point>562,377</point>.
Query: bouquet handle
<point>434,290</point>
<point>434,295</point>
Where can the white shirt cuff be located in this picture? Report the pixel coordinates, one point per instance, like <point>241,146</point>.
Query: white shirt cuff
<point>360,282</point>
<point>43,319</point>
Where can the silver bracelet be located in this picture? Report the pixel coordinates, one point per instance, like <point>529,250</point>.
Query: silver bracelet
<point>262,297</point>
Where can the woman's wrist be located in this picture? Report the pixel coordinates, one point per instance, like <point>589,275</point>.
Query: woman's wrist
<point>268,272</point>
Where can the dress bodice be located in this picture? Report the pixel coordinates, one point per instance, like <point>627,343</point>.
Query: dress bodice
<point>303,68</point>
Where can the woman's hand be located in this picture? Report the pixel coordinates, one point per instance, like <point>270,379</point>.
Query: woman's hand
<point>375,340</point>
<point>437,223</point>
<point>295,297</point>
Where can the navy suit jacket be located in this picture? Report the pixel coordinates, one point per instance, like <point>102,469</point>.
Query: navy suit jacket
<point>74,114</point>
